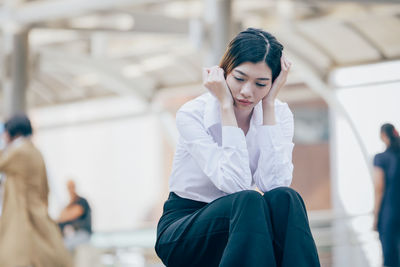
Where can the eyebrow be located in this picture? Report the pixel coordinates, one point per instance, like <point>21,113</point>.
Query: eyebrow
<point>244,74</point>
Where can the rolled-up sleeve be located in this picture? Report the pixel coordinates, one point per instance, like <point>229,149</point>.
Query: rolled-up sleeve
<point>275,167</point>
<point>227,166</point>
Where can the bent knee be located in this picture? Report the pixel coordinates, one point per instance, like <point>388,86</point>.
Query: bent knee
<point>248,202</point>
<point>249,196</point>
<point>283,192</point>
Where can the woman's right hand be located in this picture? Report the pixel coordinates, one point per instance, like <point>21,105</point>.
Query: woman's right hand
<point>214,81</point>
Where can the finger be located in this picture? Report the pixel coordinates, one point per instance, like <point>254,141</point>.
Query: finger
<point>287,64</point>
<point>283,63</point>
<point>208,74</point>
<point>221,73</point>
<point>213,73</point>
<point>205,74</point>
<point>286,61</point>
<point>214,68</point>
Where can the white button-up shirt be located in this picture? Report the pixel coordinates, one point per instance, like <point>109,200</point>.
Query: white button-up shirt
<point>212,160</point>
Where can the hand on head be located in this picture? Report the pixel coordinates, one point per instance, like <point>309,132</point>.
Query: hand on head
<point>214,81</point>
<point>279,81</point>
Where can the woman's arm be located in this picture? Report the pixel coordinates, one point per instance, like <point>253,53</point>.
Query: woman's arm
<point>227,166</point>
<point>275,166</point>
<point>268,102</point>
<point>214,81</point>
<point>70,213</point>
<point>379,182</point>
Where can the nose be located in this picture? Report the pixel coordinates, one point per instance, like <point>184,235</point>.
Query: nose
<point>246,90</point>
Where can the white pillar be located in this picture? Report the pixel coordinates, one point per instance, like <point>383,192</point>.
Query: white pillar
<point>218,18</point>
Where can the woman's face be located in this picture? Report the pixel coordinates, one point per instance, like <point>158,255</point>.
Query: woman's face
<point>249,83</point>
<point>385,139</point>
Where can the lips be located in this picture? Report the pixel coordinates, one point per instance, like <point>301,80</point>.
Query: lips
<point>244,102</point>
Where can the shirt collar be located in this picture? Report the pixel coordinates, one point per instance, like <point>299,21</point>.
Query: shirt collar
<point>212,113</point>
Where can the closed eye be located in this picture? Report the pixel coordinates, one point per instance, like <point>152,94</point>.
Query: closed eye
<point>239,79</point>
<point>261,84</point>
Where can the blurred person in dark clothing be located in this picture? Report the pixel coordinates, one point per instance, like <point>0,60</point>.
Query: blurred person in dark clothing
<point>75,219</point>
<point>387,195</point>
<point>28,236</point>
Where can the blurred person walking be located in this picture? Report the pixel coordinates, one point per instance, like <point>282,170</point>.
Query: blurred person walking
<point>28,236</point>
<point>75,219</point>
<point>387,195</point>
<point>234,138</point>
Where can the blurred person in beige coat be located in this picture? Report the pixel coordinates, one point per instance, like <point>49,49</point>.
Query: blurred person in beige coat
<point>28,236</point>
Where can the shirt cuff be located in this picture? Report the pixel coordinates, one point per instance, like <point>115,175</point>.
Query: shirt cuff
<point>233,137</point>
<point>270,135</point>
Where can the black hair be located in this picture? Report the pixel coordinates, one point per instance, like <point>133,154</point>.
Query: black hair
<point>390,131</point>
<point>18,125</point>
<point>253,45</point>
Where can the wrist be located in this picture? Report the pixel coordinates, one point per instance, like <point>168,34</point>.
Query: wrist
<point>227,103</point>
<point>268,109</point>
<point>226,106</point>
<point>228,115</point>
<point>269,114</point>
<point>268,103</point>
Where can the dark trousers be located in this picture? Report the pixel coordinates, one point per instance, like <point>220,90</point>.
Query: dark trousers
<point>241,229</point>
<point>389,234</point>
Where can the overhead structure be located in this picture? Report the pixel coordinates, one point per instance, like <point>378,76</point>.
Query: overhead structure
<point>79,50</point>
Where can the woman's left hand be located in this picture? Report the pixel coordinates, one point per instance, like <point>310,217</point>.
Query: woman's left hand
<point>279,82</point>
